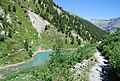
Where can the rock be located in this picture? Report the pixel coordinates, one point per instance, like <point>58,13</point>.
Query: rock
<point>109,25</point>
<point>77,66</point>
<point>13,50</point>
<point>38,22</point>
<point>9,19</point>
<point>77,73</point>
<point>1,25</point>
<point>71,69</point>
<point>84,63</point>
<point>2,32</point>
<point>1,75</point>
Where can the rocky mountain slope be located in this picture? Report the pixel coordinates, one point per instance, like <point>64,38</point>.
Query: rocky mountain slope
<point>27,24</point>
<point>110,25</point>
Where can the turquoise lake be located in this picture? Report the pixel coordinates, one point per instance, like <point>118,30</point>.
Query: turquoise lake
<point>39,58</point>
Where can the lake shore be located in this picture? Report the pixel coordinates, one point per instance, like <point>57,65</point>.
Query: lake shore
<point>12,65</point>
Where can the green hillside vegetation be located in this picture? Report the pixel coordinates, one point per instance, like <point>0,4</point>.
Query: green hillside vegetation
<point>65,22</point>
<point>49,37</point>
<point>57,68</point>
<point>110,48</point>
<point>17,34</point>
<point>21,40</point>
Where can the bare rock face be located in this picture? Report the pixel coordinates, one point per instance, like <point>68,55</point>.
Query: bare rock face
<point>100,22</point>
<point>38,22</point>
<point>110,25</point>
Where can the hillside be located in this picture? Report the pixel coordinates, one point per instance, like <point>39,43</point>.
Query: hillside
<point>110,48</point>
<point>109,25</point>
<point>27,24</point>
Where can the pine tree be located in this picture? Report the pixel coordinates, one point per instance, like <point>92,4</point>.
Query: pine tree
<point>66,41</point>
<point>10,33</point>
<point>34,1</point>
<point>26,45</point>
<point>6,11</point>
<point>30,53</point>
<point>14,8</point>
<point>9,8</point>
<point>0,3</point>
<point>2,38</point>
<point>79,42</point>
<point>39,1</point>
<point>73,40</point>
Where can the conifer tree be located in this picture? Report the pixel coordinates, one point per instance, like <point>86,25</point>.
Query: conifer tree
<point>9,8</point>
<point>26,45</point>
<point>14,8</point>
<point>0,3</point>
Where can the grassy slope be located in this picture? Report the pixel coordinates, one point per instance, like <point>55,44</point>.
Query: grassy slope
<point>21,32</point>
<point>26,31</point>
<point>49,37</point>
<point>94,31</point>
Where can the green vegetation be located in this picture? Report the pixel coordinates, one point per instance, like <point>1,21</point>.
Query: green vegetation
<point>16,31</point>
<point>49,37</point>
<point>64,21</point>
<point>110,48</point>
<point>20,39</point>
<point>57,68</point>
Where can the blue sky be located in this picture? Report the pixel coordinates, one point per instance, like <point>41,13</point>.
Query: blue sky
<point>92,9</point>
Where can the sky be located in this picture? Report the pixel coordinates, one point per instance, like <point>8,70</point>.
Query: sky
<point>92,9</point>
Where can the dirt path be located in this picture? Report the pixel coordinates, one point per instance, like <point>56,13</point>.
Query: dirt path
<point>95,73</point>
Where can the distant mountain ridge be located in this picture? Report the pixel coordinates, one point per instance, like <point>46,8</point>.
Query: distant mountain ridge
<point>109,25</point>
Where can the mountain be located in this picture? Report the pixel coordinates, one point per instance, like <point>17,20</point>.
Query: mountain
<point>27,24</point>
<point>110,25</point>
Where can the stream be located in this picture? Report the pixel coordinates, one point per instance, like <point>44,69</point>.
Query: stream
<point>39,58</point>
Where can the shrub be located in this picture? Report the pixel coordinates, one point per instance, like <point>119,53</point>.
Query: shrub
<point>2,38</point>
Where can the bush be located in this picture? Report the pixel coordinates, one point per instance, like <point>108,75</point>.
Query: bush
<point>2,38</point>
<point>1,18</point>
<point>30,53</point>
<point>26,45</point>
